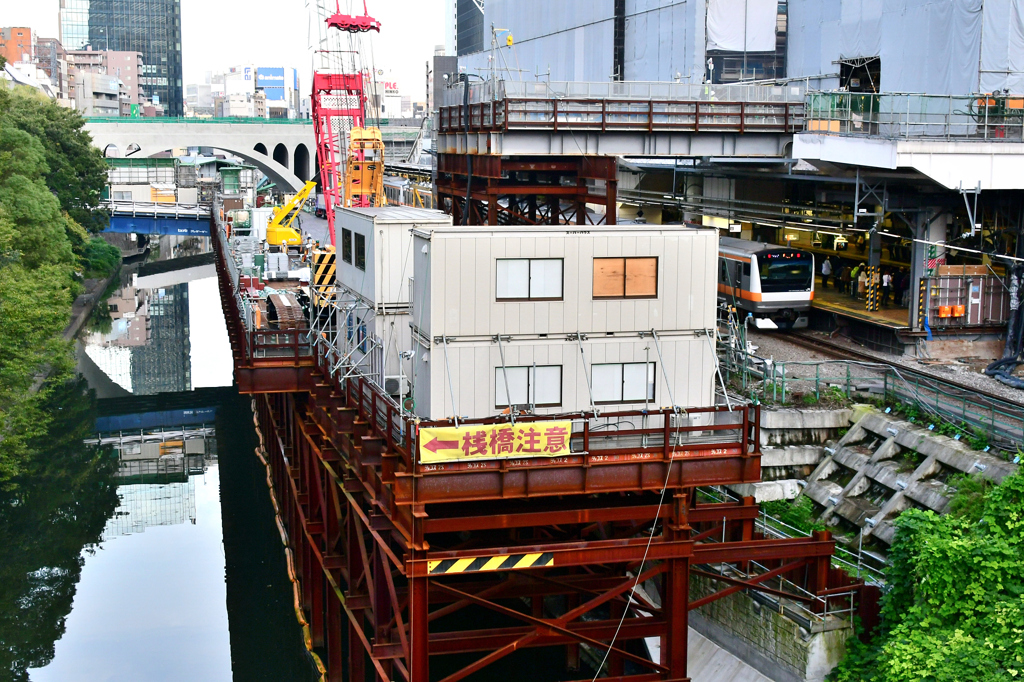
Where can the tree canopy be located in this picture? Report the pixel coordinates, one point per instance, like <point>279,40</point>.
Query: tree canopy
<point>75,170</point>
<point>48,172</point>
<point>954,609</point>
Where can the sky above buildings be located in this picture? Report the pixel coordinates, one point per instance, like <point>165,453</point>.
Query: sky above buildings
<point>217,34</point>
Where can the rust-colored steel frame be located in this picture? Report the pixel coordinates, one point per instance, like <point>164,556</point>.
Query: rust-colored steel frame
<point>365,552</point>
<point>391,552</point>
<point>533,189</point>
<point>265,361</point>
<point>620,115</point>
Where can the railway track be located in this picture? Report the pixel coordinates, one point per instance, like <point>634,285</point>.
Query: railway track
<point>954,400</point>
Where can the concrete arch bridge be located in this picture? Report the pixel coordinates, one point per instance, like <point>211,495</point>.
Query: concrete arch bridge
<point>285,150</point>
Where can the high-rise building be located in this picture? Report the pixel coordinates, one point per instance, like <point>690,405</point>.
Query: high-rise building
<point>469,26</point>
<point>164,365</point>
<point>150,27</point>
<point>16,44</point>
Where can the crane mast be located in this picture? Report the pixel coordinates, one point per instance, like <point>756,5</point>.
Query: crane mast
<point>338,105</point>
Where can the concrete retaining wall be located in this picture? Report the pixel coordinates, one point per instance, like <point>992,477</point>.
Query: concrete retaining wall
<point>801,427</point>
<point>765,639</point>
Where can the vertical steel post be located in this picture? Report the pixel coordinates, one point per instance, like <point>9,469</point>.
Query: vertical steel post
<point>419,652</point>
<point>381,605</point>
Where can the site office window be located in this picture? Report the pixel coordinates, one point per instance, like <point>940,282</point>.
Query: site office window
<point>360,251</point>
<point>623,382</point>
<point>625,278</point>
<point>539,385</point>
<point>529,279</point>
<point>346,245</point>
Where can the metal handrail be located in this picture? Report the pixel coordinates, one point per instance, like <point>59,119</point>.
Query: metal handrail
<point>862,564</point>
<point>977,117</point>
<point>198,120</point>
<point>769,380</point>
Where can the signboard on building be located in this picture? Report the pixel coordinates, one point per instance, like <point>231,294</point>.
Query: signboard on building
<point>495,441</point>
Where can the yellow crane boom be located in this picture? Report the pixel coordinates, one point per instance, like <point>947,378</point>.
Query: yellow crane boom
<point>279,229</point>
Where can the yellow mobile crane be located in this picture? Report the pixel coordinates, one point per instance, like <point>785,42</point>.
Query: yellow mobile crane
<point>279,229</point>
<point>364,174</point>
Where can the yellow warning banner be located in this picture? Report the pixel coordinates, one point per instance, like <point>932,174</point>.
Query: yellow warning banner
<point>495,441</point>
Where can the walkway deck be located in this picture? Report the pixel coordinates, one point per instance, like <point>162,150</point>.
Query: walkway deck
<point>832,300</point>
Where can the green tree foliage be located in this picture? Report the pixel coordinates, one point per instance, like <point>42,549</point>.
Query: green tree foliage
<point>65,495</point>
<point>955,606</point>
<point>76,172</point>
<point>100,259</point>
<point>41,248</point>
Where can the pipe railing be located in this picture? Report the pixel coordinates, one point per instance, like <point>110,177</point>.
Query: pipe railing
<point>766,380</point>
<point>995,118</point>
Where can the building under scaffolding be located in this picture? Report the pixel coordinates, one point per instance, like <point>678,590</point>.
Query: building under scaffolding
<point>921,193</point>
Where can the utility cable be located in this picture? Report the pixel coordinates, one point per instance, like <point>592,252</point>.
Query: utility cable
<point>647,549</point>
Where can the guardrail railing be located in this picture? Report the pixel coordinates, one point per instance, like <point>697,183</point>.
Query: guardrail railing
<point>624,90</point>
<point>913,116</point>
<point>612,115</point>
<point>197,210</point>
<point>196,119</point>
<point>863,565</point>
<point>640,435</point>
<point>770,381</point>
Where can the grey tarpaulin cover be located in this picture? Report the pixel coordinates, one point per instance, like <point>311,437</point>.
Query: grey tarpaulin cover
<point>574,39</point>
<point>728,31</point>
<point>926,46</point>
<point>1002,46</point>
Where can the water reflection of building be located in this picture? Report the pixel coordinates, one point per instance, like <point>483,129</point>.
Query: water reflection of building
<point>158,468</point>
<point>164,365</point>
<point>144,505</point>
<point>147,349</point>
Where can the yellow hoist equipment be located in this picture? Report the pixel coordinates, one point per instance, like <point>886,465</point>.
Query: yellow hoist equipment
<point>364,175</point>
<point>279,229</point>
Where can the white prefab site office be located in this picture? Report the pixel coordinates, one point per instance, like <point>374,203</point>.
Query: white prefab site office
<point>557,320</point>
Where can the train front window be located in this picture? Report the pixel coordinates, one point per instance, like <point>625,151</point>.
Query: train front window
<point>784,271</point>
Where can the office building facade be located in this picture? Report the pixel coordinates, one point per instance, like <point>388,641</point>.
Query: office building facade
<point>150,27</point>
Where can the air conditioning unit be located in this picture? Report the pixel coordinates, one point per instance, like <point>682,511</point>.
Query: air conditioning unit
<point>396,385</point>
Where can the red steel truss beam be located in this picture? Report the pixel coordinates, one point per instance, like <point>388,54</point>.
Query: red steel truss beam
<point>311,462</point>
<point>338,105</point>
<point>521,518</point>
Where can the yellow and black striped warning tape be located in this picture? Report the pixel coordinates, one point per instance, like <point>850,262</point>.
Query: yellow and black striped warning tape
<point>323,267</point>
<point>504,562</point>
<point>323,275</point>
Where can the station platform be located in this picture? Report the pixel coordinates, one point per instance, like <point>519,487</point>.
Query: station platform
<point>853,254</point>
<point>832,300</point>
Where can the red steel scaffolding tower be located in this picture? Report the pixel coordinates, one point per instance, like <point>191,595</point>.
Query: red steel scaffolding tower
<point>339,105</point>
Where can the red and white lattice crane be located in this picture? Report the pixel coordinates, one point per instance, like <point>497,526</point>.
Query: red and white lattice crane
<point>338,101</point>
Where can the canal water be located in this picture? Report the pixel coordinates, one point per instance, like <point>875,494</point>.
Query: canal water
<point>143,546</point>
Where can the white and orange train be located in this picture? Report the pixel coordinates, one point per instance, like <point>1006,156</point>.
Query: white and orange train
<point>769,281</point>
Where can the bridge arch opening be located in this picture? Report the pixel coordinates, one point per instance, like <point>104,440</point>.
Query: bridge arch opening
<point>281,155</point>
<point>261,148</point>
<point>111,151</point>
<point>301,165</point>
<point>281,177</point>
